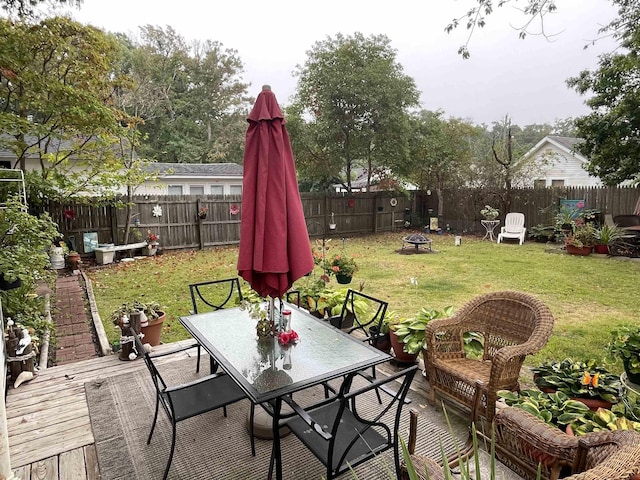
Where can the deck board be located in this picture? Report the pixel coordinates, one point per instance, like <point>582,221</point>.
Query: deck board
<point>46,469</point>
<point>72,465</point>
<point>49,416</point>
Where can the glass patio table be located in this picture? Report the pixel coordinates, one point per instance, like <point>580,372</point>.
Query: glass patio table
<point>267,371</point>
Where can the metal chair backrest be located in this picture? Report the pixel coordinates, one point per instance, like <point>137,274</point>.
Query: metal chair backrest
<point>363,318</point>
<point>361,428</point>
<point>215,294</point>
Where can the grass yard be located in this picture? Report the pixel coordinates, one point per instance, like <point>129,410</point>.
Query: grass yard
<point>589,296</point>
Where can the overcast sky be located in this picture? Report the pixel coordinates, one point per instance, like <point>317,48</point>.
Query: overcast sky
<point>505,75</point>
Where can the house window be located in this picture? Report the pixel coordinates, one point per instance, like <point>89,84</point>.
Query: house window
<point>236,190</point>
<point>557,183</point>
<point>5,164</point>
<point>541,183</point>
<point>217,189</point>
<point>196,189</point>
<point>174,190</point>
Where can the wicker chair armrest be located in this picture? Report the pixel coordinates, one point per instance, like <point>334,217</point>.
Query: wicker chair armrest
<point>443,336</point>
<point>595,447</point>
<point>621,465</point>
<point>541,441</point>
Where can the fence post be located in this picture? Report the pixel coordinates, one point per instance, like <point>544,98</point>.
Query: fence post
<point>113,221</point>
<point>199,225</point>
<point>375,212</point>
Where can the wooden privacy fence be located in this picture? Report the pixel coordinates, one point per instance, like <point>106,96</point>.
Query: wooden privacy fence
<point>175,218</point>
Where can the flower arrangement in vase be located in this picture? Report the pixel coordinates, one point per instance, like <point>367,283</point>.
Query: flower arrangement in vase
<point>489,213</point>
<point>152,242</point>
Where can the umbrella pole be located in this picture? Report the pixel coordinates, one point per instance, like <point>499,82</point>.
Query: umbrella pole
<point>272,315</point>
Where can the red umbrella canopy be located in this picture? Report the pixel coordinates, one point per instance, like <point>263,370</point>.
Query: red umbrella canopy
<point>274,242</point>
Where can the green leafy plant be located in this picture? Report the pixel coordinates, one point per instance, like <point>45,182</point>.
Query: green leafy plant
<point>411,330</point>
<point>607,234</point>
<point>578,379</point>
<point>559,410</point>
<point>335,299</point>
<point>625,345</point>
<point>583,236</point>
<point>152,310</point>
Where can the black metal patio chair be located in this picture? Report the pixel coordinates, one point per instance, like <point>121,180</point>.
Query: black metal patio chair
<point>365,321</point>
<point>351,427</point>
<point>188,400</point>
<point>214,295</point>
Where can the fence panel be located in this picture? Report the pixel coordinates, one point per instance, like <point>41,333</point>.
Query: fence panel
<point>359,213</point>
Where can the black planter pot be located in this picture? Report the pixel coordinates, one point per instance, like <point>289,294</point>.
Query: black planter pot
<point>380,341</point>
<point>6,285</point>
<point>633,377</point>
<point>343,279</point>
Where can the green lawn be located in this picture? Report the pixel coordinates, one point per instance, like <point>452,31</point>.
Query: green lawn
<point>589,296</point>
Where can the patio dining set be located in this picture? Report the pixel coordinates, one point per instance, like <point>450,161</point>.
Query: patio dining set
<point>340,358</point>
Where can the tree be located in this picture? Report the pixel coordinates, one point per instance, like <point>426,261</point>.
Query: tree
<point>476,17</point>
<point>26,8</point>
<point>193,105</point>
<point>356,98</point>
<point>440,152</point>
<point>611,132</point>
<point>56,104</point>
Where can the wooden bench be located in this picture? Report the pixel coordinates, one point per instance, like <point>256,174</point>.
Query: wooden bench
<point>104,255</point>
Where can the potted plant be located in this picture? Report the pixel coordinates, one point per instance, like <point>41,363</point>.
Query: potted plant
<point>584,381</point>
<point>567,414</point>
<point>149,323</point>
<point>74,260</point>
<point>152,243</point>
<point>381,339</point>
<point>407,338</point>
<point>343,267</point>
<point>582,240</point>
<point>625,345</point>
<point>606,235</point>
<point>489,213</point>
<point>333,302</point>
<point>542,233</point>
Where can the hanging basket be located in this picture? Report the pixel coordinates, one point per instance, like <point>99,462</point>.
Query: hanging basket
<point>343,279</point>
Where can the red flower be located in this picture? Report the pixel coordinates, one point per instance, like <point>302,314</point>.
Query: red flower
<point>285,338</point>
<point>234,209</point>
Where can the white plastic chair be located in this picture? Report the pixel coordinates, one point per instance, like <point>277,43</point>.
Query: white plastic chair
<point>513,227</point>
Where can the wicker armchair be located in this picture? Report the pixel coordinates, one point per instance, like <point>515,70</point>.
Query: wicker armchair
<point>523,441</point>
<point>621,465</point>
<point>512,324</point>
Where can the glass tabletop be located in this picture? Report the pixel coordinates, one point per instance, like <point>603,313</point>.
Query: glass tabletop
<point>263,367</point>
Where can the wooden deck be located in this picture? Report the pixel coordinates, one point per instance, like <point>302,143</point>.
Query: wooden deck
<point>50,435</point>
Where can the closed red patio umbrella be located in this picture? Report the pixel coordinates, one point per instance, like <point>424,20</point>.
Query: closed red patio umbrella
<point>274,242</point>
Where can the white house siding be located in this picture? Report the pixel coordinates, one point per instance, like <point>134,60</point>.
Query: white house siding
<point>555,164</point>
<point>231,183</point>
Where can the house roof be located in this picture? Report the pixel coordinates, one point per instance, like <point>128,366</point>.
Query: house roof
<point>195,169</point>
<point>566,144</point>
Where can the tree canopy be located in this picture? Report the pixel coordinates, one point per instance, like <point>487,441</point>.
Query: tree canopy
<point>191,98</point>
<point>355,98</point>
<point>611,132</point>
<point>56,103</point>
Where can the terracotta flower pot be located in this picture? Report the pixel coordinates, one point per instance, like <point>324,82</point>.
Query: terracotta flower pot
<point>601,248</point>
<point>153,330</point>
<point>398,350</point>
<point>573,250</point>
